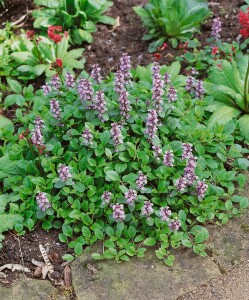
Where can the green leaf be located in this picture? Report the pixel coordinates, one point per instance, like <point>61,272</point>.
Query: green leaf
<point>243,163</point>
<point>244,125</point>
<point>150,241</point>
<point>14,99</point>
<point>68,257</point>
<point>6,125</point>
<point>105,137</point>
<point>99,234</point>
<point>112,176</point>
<point>97,256</point>
<point>67,230</point>
<point>86,232</point>
<point>154,45</point>
<point>78,249</point>
<point>107,20</point>
<point>14,86</point>
<point>223,115</point>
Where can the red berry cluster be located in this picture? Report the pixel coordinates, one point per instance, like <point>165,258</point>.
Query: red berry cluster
<point>244,22</point>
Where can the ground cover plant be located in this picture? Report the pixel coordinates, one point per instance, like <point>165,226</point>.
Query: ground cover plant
<point>127,160</point>
<point>172,20</point>
<point>79,17</point>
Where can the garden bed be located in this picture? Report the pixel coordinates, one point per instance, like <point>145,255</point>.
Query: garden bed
<point>108,45</point>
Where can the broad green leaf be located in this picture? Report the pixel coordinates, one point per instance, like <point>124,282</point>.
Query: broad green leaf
<point>112,176</point>
<point>244,126</point>
<point>14,86</point>
<point>223,115</point>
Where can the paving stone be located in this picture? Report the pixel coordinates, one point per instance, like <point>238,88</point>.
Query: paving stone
<point>146,278</point>
<point>28,289</point>
<point>229,244</point>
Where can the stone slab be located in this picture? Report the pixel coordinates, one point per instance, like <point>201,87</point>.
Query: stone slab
<point>229,244</point>
<point>28,289</point>
<point>146,278</point>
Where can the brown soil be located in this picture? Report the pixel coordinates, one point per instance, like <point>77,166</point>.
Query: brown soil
<point>108,45</point>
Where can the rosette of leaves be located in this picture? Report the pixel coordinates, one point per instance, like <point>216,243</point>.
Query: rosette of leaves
<point>172,20</point>
<point>78,17</point>
<point>76,204</point>
<point>28,59</point>
<point>228,84</point>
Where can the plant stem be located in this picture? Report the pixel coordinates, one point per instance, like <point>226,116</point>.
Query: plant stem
<point>246,91</point>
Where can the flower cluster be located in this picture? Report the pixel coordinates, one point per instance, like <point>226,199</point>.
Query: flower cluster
<point>147,209</point>
<point>95,73</point>
<point>118,212</point>
<point>187,150</point>
<point>157,88</point>
<point>54,33</point>
<point>157,151</point>
<point>55,108</point>
<point>244,22</point>
<point>172,97</point>
<point>201,189</point>
<point>175,224</point>
<point>69,80</point>
<point>100,104</point>
<point>85,89</point>
<point>57,65</point>
<point>152,123</point>
<point>87,137</point>
<point>119,82</point>
<point>216,29</point>
<point>106,197</point>
<point>55,82</point>
<point>30,34</point>
<point>165,213</point>
<point>167,80</point>
<point>141,181</point>
<point>195,87</point>
<point>116,134</point>
<point>189,171</point>
<point>46,89</point>
<point>42,201</point>
<point>36,133</point>
<point>125,66</point>
<point>63,172</point>
<point>130,197</point>
<point>168,158</point>
<point>124,104</point>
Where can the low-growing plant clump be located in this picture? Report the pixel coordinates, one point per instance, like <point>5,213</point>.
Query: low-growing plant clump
<point>127,159</point>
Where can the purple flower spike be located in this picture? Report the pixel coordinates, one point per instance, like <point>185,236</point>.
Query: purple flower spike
<point>187,149</point>
<point>55,82</point>
<point>181,184</point>
<point>116,134</point>
<point>201,189</point>
<point>42,201</point>
<point>85,89</point>
<point>168,158</point>
<point>175,224</point>
<point>152,123</point>
<point>199,90</point>
<point>87,136</point>
<point>118,212</point>
<point>216,29</point>
<point>63,172</point>
<point>141,181</point>
<point>165,213</point>
<point>194,72</point>
<point>39,123</point>
<point>125,66</point>
<point>190,84</point>
<point>100,104</point>
<point>95,74</point>
<point>124,104</point>
<point>157,88</point>
<point>36,133</point>
<point>106,197</point>
<point>172,97</point>
<point>167,78</point>
<point>119,82</point>
<point>46,89</point>
<point>157,151</point>
<point>130,197</point>
<point>55,109</point>
<point>189,171</point>
<point>147,209</point>
<point>70,80</point>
